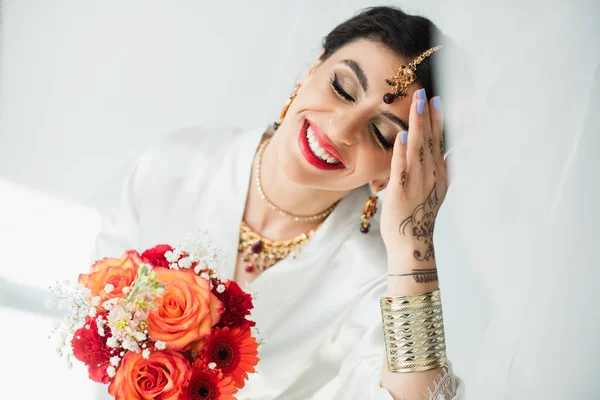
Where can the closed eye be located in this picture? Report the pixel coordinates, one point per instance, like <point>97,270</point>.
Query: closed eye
<point>335,85</point>
<point>381,140</point>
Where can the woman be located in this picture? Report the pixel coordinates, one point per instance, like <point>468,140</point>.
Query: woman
<point>356,123</point>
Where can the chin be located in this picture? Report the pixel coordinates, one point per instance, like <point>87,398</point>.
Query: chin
<point>291,164</point>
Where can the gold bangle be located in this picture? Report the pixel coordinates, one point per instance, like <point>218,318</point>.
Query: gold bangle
<point>398,366</point>
<point>413,330</point>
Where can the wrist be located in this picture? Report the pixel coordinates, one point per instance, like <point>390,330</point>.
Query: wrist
<point>407,260</point>
<point>408,275</point>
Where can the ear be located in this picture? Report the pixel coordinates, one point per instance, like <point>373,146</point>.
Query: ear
<point>315,65</point>
<point>378,184</point>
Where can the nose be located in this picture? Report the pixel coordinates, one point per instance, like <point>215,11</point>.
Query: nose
<point>344,127</point>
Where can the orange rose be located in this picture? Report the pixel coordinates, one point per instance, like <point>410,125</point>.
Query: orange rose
<point>163,376</point>
<point>186,311</point>
<point>119,272</point>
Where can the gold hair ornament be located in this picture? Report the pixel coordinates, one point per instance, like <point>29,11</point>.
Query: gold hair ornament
<point>405,76</point>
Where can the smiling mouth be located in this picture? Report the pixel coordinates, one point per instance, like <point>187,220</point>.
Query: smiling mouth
<point>316,148</point>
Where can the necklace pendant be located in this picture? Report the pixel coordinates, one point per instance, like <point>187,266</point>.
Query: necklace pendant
<point>257,247</point>
<point>249,268</point>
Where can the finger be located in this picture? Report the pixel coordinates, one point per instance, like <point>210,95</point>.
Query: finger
<point>398,173</point>
<point>437,132</point>
<point>416,150</point>
<point>428,141</point>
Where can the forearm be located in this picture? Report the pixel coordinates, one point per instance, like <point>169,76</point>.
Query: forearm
<point>409,276</point>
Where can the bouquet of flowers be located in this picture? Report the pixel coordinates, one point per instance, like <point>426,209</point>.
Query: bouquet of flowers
<point>160,325</point>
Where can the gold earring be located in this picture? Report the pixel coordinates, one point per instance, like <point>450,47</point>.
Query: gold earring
<point>369,211</point>
<point>286,107</point>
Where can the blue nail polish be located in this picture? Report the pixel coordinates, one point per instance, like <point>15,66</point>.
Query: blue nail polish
<point>420,106</point>
<point>403,137</point>
<point>421,94</point>
<point>437,103</point>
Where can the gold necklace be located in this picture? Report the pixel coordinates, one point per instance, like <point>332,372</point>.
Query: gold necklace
<point>261,192</point>
<point>262,253</point>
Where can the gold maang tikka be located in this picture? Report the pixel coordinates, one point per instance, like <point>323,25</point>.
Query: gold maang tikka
<point>405,76</point>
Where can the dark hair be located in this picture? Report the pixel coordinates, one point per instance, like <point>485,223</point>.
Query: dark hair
<point>406,35</point>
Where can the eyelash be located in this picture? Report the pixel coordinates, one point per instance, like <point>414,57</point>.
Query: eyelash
<point>379,138</point>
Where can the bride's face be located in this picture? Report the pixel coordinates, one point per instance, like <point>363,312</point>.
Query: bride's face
<point>339,115</point>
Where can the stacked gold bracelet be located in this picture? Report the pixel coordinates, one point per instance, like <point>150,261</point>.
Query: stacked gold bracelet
<point>413,328</point>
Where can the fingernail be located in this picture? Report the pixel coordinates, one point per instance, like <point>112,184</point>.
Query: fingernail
<point>403,137</point>
<point>437,103</point>
<point>420,106</point>
<point>421,94</point>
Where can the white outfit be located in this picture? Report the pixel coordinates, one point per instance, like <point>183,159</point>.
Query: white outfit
<point>318,313</point>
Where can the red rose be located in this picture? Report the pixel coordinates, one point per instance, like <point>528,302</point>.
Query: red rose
<point>237,306</point>
<point>90,348</point>
<point>156,255</point>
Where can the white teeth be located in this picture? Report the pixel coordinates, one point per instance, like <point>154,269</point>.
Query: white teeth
<point>316,148</point>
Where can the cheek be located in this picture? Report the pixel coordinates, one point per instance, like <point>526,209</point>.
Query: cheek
<point>373,164</point>
<point>315,95</point>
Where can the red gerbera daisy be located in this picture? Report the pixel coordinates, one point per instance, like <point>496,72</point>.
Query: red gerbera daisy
<point>208,384</point>
<point>234,351</point>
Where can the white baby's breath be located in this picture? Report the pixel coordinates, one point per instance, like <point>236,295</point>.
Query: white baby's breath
<point>109,287</point>
<point>111,371</point>
<point>185,262</point>
<point>221,288</point>
<point>212,365</point>
<point>96,301</point>
<point>146,354</point>
<point>130,344</point>
<point>160,345</point>
<point>170,256</point>
<point>115,360</point>
<point>112,342</point>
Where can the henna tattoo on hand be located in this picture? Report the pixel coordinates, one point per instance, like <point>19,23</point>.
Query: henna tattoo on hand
<point>430,144</point>
<point>442,147</point>
<point>422,275</point>
<point>421,156</point>
<point>421,224</point>
<point>403,180</point>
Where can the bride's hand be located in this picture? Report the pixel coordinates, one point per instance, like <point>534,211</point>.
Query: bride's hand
<point>417,187</point>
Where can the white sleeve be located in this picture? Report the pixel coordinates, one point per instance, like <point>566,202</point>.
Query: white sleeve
<point>360,374</point>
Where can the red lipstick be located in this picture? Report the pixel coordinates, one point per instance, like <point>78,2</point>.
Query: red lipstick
<point>308,153</point>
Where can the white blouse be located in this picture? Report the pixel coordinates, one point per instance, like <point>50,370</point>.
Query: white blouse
<point>318,313</point>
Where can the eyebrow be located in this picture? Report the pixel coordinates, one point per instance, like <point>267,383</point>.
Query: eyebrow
<point>395,120</point>
<point>362,78</point>
<point>364,82</point>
